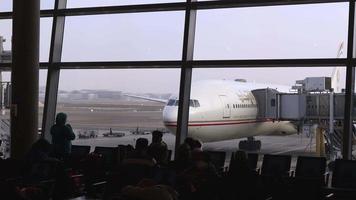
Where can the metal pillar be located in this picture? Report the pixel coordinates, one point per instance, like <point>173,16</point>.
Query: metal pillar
<point>186,75</point>
<point>350,86</point>
<point>24,77</point>
<point>55,56</point>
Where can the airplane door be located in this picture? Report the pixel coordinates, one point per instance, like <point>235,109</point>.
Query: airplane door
<point>226,106</point>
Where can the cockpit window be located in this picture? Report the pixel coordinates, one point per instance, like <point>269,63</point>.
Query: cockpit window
<point>196,103</point>
<point>170,102</point>
<point>192,103</point>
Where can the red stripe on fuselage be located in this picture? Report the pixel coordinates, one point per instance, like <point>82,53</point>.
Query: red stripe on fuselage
<point>218,123</point>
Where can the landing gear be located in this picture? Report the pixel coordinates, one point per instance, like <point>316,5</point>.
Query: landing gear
<point>250,144</point>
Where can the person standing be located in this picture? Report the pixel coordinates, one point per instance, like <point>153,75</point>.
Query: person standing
<point>158,148</point>
<point>62,134</point>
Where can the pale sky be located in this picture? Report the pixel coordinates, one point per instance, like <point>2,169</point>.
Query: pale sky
<point>303,31</point>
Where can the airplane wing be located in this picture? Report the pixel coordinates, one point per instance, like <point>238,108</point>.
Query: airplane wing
<point>147,98</point>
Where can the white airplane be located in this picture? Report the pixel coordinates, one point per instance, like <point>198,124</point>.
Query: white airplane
<point>227,109</point>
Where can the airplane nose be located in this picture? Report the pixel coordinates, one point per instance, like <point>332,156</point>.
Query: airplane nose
<point>170,115</point>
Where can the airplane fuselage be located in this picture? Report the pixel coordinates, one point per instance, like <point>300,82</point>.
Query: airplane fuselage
<point>224,110</point>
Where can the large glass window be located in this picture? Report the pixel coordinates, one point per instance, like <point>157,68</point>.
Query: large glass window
<point>122,37</point>
<point>129,102</point>
<point>275,32</point>
<point>45,37</point>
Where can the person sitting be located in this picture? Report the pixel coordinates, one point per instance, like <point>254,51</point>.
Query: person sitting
<point>40,151</point>
<point>140,155</point>
<point>62,134</point>
<point>158,149</point>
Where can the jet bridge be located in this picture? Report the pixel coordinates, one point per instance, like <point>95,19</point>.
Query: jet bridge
<point>296,107</point>
<point>310,99</point>
<point>312,102</point>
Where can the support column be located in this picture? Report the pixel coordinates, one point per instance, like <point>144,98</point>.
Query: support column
<point>53,73</point>
<point>350,86</point>
<point>24,76</point>
<point>186,75</point>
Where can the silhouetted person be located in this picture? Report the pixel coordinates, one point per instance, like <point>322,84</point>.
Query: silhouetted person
<point>62,134</point>
<point>193,143</point>
<point>158,149</point>
<point>40,151</point>
<point>140,155</point>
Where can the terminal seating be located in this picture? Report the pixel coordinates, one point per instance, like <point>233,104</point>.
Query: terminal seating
<point>218,159</point>
<point>275,172</point>
<point>78,153</point>
<point>252,159</point>
<point>309,178</point>
<point>123,152</point>
<point>103,170</point>
<point>343,184</point>
<point>276,165</point>
<point>109,155</point>
<point>169,156</point>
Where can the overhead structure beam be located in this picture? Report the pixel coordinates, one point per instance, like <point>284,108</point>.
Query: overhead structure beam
<point>186,76</point>
<point>325,62</point>
<point>350,86</point>
<point>55,55</point>
<point>159,7</point>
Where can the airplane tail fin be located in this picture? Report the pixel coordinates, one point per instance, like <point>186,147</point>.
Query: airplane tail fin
<point>335,76</point>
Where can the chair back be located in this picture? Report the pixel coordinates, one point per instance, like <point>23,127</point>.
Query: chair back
<point>169,157</point>
<point>79,151</point>
<point>310,167</point>
<point>344,174</point>
<point>276,165</point>
<point>252,159</point>
<point>110,155</point>
<point>217,158</point>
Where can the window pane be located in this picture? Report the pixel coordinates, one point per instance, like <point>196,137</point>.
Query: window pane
<point>222,126</point>
<point>142,36</point>
<point>274,32</point>
<point>5,44</point>
<point>6,6</point>
<point>45,37</point>
<point>93,3</point>
<point>47,4</point>
<point>124,100</point>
